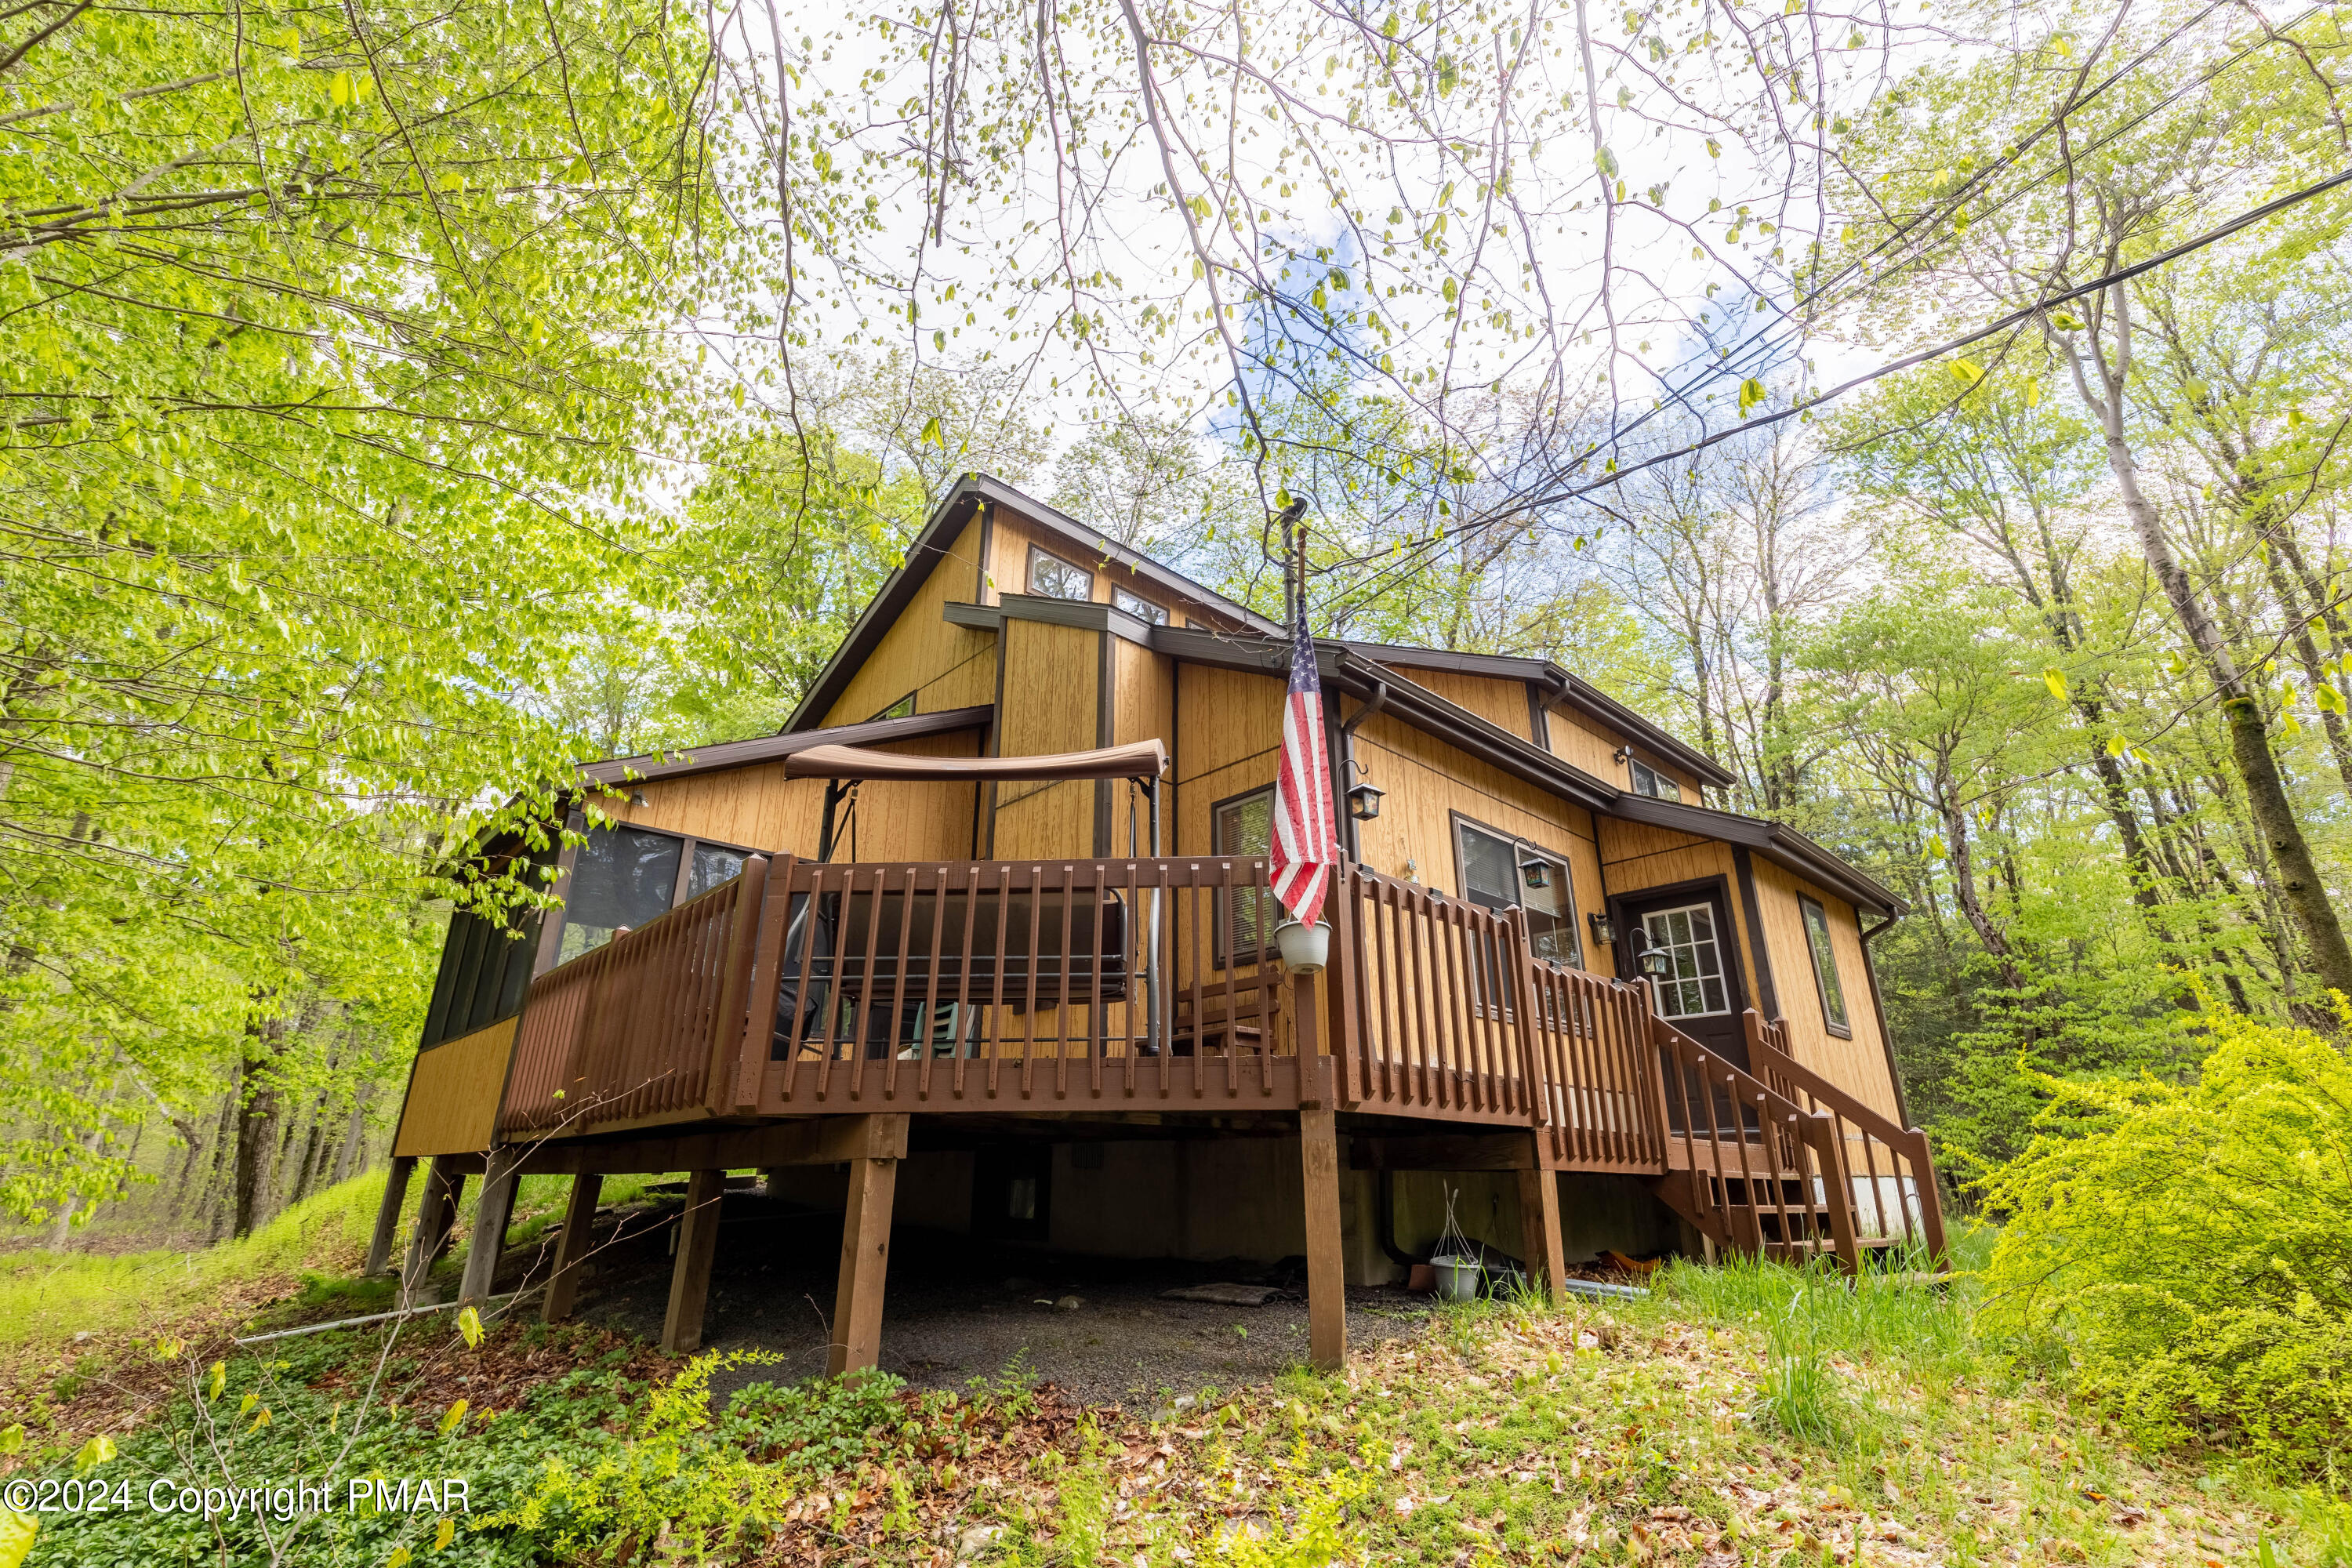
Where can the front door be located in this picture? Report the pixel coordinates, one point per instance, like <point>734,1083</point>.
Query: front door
<point>1703,995</point>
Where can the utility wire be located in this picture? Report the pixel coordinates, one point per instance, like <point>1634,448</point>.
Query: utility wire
<point>2014,319</point>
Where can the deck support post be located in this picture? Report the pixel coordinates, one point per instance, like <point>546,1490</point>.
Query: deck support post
<point>689,1278</point>
<point>503,1169</point>
<point>437,1222</point>
<point>1327,1276</point>
<point>387,1214</point>
<point>571,1247</point>
<point>865,1252</point>
<point>1539,1230</point>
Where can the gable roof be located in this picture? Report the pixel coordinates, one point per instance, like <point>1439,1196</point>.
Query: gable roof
<point>1568,690</point>
<point>929,550</point>
<point>769,748</point>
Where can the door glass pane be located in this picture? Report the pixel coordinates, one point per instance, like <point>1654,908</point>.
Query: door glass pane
<point>711,866</point>
<point>1695,988</point>
<point>622,877</point>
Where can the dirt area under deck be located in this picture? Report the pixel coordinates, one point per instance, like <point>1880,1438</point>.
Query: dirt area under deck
<point>957,1310</point>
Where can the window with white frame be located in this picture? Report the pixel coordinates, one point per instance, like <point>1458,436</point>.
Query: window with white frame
<point>1694,988</point>
<point>1244,825</point>
<point>1052,577</point>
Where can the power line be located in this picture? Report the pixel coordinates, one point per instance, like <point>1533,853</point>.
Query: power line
<point>2005,323</point>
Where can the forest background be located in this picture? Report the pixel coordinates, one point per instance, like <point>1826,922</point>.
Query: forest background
<point>399,405</point>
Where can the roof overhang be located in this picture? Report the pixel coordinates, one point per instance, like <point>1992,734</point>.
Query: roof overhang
<point>1565,689</point>
<point>1777,842</point>
<point>929,550</point>
<point>771,748</point>
<point>1340,668</point>
<point>1137,760</point>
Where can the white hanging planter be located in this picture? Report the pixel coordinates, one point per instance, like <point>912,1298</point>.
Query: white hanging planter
<point>1305,948</point>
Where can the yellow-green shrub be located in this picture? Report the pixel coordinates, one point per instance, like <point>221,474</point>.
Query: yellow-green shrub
<point>2189,1250</point>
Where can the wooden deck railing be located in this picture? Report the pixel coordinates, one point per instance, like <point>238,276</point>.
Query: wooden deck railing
<point>1896,1198</point>
<point>646,1028</point>
<point>801,987</point>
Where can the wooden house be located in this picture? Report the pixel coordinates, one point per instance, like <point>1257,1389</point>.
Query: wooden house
<point>986,928</point>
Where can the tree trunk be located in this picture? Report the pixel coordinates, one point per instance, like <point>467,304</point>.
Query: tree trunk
<point>2250,749</point>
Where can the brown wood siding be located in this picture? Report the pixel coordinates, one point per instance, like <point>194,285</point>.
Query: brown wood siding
<point>1636,856</point>
<point>1053,678</point>
<point>453,1101</point>
<point>1859,1065</point>
<point>1593,747</point>
<point>1428,781</point>
<point>944,665</point>
<point>1502,703</point>
<point>758,808</point>
<point>1143,708</point>
<point>1229,724</point>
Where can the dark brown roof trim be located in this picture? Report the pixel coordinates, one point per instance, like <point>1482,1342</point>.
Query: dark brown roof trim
<point>1083,613</point>
<point>1342,670</point>
<point>1777,842</point>
<point>1564,688</point>
<point>769,748</point>
<point>931,548</point>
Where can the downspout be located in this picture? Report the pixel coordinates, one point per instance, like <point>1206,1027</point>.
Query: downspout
<point>1385,1201</point>
<point>1886,1034</point>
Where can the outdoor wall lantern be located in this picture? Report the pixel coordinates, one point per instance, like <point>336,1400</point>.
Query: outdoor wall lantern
<point>1656,963</point>
<point>1604,930</point>
<point>1536,873</point>
<point>1364,802</point>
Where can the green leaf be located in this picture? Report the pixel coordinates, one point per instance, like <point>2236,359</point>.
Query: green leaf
<point>934,435</point>
<point>2055,679</point>
<point>16,1533</point>
<point>1966,372</point>
<point>452,1416</point>
<point>469,1321</point>
<point>92,1454</point>
<point>1606,161</point>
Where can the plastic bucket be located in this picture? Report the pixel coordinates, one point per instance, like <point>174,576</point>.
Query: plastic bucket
<point>1458,1278</point>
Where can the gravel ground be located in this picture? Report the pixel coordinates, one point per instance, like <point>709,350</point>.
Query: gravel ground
<point>957,1310</point>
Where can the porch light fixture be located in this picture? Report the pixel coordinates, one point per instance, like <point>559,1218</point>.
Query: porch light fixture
<point>1604,930</point>
<point>1364,802</point>
<point>1655,963</point>
<point>1535,872</point>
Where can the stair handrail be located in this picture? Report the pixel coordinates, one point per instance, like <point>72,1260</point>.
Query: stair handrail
<point>1776,1113</point>
<point>1767,1055</point>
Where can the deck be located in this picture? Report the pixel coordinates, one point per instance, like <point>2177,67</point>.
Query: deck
<point>809,1012</point>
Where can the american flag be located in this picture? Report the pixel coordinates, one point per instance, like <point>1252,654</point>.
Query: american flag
<point>1304,846</point>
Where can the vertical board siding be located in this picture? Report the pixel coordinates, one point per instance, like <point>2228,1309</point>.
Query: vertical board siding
<point>1053,678</point>
<point>1427,781</point>
<point>922,650</point>
<point>453,1097</point>
<point>1502,703</point>
<point>758,809</point>
<point>1858,1065</point>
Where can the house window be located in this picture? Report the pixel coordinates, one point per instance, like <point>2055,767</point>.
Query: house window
<point>902,709</point>
<point>1649,781</point>
<point>1695,988</point>
<point>1054,578</point>
<point>1495,877</point>
<point>622,877</point>
<point>1244,825</point>
<point>1825,972</point>
<point>1142,609</point>
<point>710,866</point>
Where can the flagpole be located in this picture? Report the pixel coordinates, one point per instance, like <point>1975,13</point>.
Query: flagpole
<point>1294,563</point>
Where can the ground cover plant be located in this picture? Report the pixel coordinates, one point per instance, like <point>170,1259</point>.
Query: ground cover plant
<point>1744,1413</point>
